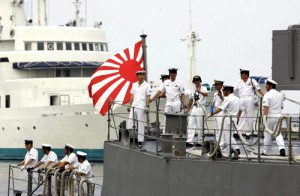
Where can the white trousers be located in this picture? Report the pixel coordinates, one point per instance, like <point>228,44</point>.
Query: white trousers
<point>195,124</point>
<point>272,122</point>
<point>248,114</point>
<point>139,116</point>
<point>171,107</point>
<point>225,139</point>
<point>218,123</point>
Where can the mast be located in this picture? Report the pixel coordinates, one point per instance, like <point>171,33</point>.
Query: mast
<point>192,39</point>
<point>40,18</point>
<point>77,5</point>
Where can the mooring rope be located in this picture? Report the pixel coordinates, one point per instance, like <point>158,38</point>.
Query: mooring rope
<point>62,181</point>
<point>274,133</point>
<point>46,179</point>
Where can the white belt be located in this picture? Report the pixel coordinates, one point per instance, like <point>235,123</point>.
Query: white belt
<point>247,96</point>
<point>176,99</point>
<point>274,115</point>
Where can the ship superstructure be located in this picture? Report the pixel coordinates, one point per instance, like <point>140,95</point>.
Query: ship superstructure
<point>45,71</point>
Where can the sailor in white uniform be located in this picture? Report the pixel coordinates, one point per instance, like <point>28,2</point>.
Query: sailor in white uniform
<point>197,98</point>
<point>163,77</point>
<point>217,102</point>
<point>140,99</point>
<point>83,167</point>
<point>49,158</point>
<point>69,160</point>
<point>31,156</point>
<point>174,93</point>
<point>247,89</point>
<point>272,107</point>
<point>231,106</point>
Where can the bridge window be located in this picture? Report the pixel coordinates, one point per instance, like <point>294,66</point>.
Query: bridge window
<point>84,46</point>
<point>28,46</point>
<point>7,101</point>
<point>97,47</point>
<point>59,46</point>
<point>68,46</point>
<point>40,45</point>
<point>91,46</point>
<point>77,46</point>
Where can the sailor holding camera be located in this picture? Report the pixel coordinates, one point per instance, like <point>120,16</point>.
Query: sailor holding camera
<point>197,98</point>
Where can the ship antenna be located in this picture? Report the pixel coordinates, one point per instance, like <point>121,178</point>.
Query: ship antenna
<point>77,5</point>
<point>192,39</point>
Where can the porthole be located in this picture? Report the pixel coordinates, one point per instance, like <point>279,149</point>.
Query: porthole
<point>12,33</point>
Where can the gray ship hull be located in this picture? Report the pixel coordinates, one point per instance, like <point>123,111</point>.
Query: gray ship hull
<point>135,172</point>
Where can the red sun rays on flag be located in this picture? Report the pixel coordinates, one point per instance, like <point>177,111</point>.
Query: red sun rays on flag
<point>114,79</point>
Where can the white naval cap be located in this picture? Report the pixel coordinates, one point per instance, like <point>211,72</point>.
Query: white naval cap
<point>140,72</point>
<point>46,145</point>
<point>269,80</point>
<point>228,86</point>
<point>80,153</point>
<point>69,146</point>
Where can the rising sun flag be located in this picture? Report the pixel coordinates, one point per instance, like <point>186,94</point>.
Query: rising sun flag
<point>113,80</point>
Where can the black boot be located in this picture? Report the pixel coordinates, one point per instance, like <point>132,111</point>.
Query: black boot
<point>282,152</point>
<point>235,154</point>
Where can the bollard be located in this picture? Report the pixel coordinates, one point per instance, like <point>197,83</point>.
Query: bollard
<point>166,146</point>
<point>176,124</point>
<point>180,146</point>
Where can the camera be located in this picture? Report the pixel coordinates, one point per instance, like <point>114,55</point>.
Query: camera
<point>196,96</point>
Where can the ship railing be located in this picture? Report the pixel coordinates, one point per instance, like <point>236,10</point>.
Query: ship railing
<point>20,181</point>
<point>154,131</point>
<point>52,182</point>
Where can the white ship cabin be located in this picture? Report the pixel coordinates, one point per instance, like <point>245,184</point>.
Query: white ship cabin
<point>46,65</point>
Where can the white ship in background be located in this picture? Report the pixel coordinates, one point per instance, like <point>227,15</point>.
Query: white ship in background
<point>44,74</point>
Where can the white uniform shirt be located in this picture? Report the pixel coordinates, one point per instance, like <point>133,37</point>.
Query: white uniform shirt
<point>50,157</point>
<point>174,89</point>
<point>71,159</point>
<point>31,154</point>
<point>246,88</point>
<point>202,99</point>
<point>231,105</point>
<point>140,94</point>
<point>86,168</point>
<point>274,101</point>
<point>217,100</point>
